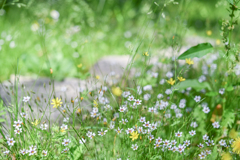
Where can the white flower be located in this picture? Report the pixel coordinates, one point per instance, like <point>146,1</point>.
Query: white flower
<point>222,90</point>
<point>12,44</point>
<point>160,96</point>
<point>10,142</point>
<point>43,126</point>
<point>131,98</point>
<point>178,134</point>
<point>82,140</point>
<point>6,152</point>
<point>206,110</point>
<point>162,81</point>
<point>23,151</point>
<point>102,133</point>
<point>202,155</point>
<point>66,142</point>
<point>118,130</point>
<point>18,130</point>
<point>192,132</point>
<point>134,147</point>
<point>66,120</point>
<point>197,98</point>
<point>26,99</point>
<point>54,14</point>
<point>138,102</point>
<point>126,94</point>
<point>142,119</point>
<point>23,115</point>
<point>205,137</point>
<point>44,153</point>
<point>147,96</point>
<point>169,75</point>
<point>216,125</point>
<point>222,142</point>
<point>168,91</point>
<point>17,124</point>
<point>147,88</point>
<point>194,124</point>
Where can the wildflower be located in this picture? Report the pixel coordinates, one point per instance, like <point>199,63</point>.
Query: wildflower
<point>116,91</point>
<point>166,142</point>
<point>160,96</point>
<point>23,151</point>
<point>44,153</point>
<point>171,81</point>
<point>142,119</point>
<point>169,74</point>
<point>216,125</point>
<point>26,99</point>
<point>17,124</point>
<point>210,143</point>
<point>147,88</point>
<point>222,142</point>
<point>6,152</point>
<point>66,120</point>
<point>134,135</point>
<point>32,151</point>
<point>180,148</point>
<point>147,124</point>
<point>131,98</point>
<point>202,155</point>
<point>65,150</point>
<point>140,129</point>
<point>197,98</point>
<point>54,14</point>
<point>174,142</point>
<point>189,61</point>
<point>118,130</point>
<point>209,32</point>
<point>66,142</point>
<point>35,123</point>
<point>157,145</point>
<point>208,152</point>
<point>10,142</point>
<point>226,156</point>
<point>134,147</point>
<point>18,130</point>
<point>168,91</point>
<point>79,65</point>
<point>187,142</point>
<point>43,126</point>
<point>146,54</point>
<point>205,137</point>
<point>138,102</point>
<point>200,145</point>
<point>82,140</point>
<point>222,90</point>
<point>23,115</point>
<point>95,103</point>
<point>206,109</point>
<point>236,145</point>
<point>150,137</point>
<point>181,79</point>
<point>56,103</point>
<point>102,133</point>
<point>178,134</point>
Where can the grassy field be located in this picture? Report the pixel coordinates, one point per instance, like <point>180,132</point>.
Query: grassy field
<point>83,32</point>
<point>188,111</point>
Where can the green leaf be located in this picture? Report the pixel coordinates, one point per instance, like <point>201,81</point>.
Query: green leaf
<point>228,118</point>
<point>230,1</point>
<point>175,123</point>
<point>212,94</point>
<point>199,51</point>
<point>194,84</point>
<point>230,88</point>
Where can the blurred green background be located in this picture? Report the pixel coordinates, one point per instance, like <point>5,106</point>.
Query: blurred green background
<point>63,34</point>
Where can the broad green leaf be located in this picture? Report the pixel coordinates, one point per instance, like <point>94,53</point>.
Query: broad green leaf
<point>212,94</point>
<point>194,84</point>
<point>230,88</point>
<point>199,51</point>
<point>228,118</point>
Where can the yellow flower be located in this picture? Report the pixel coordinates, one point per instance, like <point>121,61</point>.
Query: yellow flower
<point>62,130</point>
<point>189,61</point>
<point>116,91</point>
<point>97,77</point>
<point>226,156</point>
<point>56,103</point>
<point>209,32</point>
<point>146,54</point>
<point>171,81</point>
<point>95,103</point>
<point>134,135</point>
<point>236,145</point>
<point>80,65</point>
<point>218,42</point>
<point>35,123</point>
<point>181,79</point>
<point>233,134</point>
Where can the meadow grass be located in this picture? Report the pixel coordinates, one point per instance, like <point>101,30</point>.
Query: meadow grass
<point>189,111</point>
